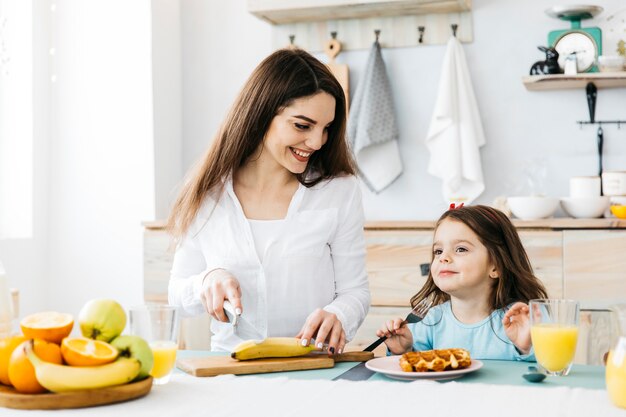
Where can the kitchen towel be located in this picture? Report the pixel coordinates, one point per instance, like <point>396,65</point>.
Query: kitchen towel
<point>372,128</point>
<point>456,132</point>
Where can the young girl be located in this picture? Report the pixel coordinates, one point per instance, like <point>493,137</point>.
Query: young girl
<point>477,291</point>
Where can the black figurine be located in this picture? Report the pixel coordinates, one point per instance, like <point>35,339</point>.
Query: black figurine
<point>549,66</point>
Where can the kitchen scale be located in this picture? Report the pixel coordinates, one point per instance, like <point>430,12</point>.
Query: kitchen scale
<point>585,43</point>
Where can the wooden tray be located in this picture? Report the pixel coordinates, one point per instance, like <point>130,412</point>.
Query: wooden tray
<point>77,399</point>
<point>220,365</point>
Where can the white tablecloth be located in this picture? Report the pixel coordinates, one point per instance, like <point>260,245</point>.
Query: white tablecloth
<point>228,395</point>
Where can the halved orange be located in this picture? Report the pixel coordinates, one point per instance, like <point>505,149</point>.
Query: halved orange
<point>80,351</point>
<point>48,325</point>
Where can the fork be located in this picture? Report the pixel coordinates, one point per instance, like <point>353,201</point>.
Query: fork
<point>415,316</point>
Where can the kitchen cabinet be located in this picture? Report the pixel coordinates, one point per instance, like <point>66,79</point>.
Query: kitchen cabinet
<point>579,259</point>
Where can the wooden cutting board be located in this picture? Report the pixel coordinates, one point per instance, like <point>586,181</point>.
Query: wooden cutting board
<point>221,365</point>
<point>340,71</point>
<point>76,399</point>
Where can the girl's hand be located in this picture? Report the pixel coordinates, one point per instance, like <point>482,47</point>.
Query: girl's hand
<point>326,328</point>
<point>399,338</point>
<point>217,286</point>
<point>516,324</point>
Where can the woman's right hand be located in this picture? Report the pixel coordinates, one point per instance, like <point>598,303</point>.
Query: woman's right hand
<point>399,338</point>
<point>217,286</point>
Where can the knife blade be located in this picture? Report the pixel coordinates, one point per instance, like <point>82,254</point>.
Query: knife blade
<point>232,315</point>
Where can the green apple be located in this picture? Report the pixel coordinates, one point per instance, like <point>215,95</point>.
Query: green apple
<point>135,347</point>
<point>102,319</point>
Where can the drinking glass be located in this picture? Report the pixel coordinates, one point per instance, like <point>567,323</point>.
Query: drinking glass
<point>554,333</point>
<point>158,325</point>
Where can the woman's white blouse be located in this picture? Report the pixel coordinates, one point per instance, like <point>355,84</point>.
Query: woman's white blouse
<point>316,259</point>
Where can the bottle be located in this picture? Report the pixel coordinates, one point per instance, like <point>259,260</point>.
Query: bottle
<point>6,314</point>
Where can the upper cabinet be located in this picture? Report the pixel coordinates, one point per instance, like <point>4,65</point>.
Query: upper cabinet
<point>280,12</point>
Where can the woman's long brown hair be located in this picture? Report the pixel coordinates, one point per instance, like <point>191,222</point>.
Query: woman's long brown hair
<point>516,280</point>
<point>282,77</point>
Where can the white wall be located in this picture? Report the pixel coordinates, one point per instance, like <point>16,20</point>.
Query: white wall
<point>101,160</point>
<point>222,43</point>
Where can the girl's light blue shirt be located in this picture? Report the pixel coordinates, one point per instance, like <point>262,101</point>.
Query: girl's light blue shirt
<point>484,340</point>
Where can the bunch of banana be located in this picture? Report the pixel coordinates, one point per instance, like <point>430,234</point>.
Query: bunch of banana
<point>272,347</point>
<point>62,378</point>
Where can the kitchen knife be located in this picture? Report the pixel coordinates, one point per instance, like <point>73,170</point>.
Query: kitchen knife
<point>232,315</point>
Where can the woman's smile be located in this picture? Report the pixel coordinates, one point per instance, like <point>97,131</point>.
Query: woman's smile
<point>300,155</point>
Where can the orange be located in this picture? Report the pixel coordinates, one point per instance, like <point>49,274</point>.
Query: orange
<point>80,351</point>
<point>48,325</point>
<point>7,346</point>
<point>21,370</point>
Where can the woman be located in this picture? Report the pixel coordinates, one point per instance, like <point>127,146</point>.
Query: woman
<point>272,219</point>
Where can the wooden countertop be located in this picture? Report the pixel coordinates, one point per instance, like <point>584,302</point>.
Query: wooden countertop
<point>561,223</point>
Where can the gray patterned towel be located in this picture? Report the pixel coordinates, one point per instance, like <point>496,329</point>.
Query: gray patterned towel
<point>372,128</point>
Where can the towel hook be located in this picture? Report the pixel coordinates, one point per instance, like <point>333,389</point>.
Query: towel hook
<point>377,33</point>
<point>454,27</point>
<point>421,30</point>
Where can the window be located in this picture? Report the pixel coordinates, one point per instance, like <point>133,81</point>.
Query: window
<point>16,119</point>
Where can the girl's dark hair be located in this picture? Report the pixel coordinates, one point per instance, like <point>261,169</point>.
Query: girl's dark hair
<point>282,77</point>
<point>516,280</point>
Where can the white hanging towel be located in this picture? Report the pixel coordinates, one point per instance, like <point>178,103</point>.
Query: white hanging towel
<point>372,128</point>
<point>456,132</point>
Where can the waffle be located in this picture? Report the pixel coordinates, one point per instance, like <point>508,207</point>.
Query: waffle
<point>435,360</point>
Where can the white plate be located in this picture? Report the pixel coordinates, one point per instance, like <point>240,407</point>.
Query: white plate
<point>390,366</point>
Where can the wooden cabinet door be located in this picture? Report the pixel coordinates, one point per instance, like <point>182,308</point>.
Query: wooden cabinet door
<point>395,259</point>
<point>594,266</point>
<point>545,251</point>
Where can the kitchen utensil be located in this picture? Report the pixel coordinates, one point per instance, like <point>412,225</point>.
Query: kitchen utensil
<point>340,71</point>
<point>616,361</point>
<point>585,207</point>
<point>360,372</point>
<point>10,398</point>
<point>600,146</point>
<point>219,365</point>
<point>232,315</point>
<point>534,375</point>
<point>533,207</point>
<point>585,42</point>
<point>584,187</point>
<point>413,317</point>
<point>614,183</point>
<point>592,98</point>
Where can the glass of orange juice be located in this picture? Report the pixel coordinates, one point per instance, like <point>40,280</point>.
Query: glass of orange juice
<point>158,325</point>
<point>554,333</point>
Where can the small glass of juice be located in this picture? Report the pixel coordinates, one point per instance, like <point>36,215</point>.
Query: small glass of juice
<point>158,325</point>
<point>554,333</point>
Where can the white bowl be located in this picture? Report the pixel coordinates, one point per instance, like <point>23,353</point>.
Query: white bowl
<point>585,207</point>
<point>533,207</point>
<point>611,63</point>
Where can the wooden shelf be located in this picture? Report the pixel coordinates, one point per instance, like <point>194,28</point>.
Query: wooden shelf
<point>562,82</point>
<point>280,12</point>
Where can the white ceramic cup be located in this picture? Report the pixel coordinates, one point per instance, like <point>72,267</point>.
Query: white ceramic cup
<point>614,183</point>
<point>584,186</point>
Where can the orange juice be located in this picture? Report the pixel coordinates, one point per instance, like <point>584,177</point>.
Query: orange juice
<point>164,358</point>
<point>616,377</point>
<point>555,345</point>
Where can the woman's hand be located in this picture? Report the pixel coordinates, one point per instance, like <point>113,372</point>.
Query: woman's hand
<point>217,286</point>
<point>516,324</point>
<point>399,338</point>
<point>326,328</point>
